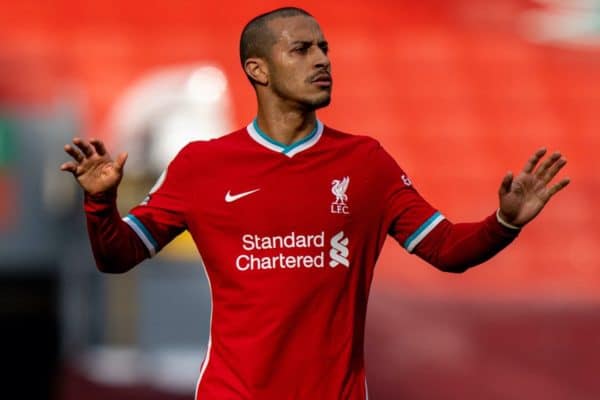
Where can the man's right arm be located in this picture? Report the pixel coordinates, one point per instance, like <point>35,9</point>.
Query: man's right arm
<point>116,247</point>
<point>120,244</point>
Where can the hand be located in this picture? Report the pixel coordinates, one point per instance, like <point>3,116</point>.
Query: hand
<point>523,197</point>
<point>93,167</point>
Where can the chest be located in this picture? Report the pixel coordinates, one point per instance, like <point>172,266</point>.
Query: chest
<point>297,225</point>
<point>284,197</point>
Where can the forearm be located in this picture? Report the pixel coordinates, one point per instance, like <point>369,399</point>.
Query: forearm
<point>115,245</point>
<point>458,247</point>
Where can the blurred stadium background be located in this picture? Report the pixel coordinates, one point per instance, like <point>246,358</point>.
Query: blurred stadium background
<point>459,91</point>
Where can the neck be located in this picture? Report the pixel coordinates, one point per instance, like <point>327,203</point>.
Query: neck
<point>285,126</point>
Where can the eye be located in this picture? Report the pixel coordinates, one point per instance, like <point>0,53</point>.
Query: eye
<point>301,49</point>
<point>324,48</point>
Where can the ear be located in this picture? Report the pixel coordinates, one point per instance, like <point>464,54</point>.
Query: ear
<point>257,69</point>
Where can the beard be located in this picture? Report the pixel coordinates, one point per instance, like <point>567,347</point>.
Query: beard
<point>308,102</point>
<point>322,101</point>
<point>316,103</point>
<point>301,93</point>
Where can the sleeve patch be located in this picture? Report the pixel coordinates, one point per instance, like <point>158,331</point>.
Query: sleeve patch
<point>142,232</point>
<point>413,240</point>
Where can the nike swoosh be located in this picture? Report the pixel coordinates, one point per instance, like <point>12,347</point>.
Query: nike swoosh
<point>229,198</point>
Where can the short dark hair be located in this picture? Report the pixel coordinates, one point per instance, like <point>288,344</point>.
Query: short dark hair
<point>257,39</point>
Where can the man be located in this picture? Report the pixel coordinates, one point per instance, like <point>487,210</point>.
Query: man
<point>289,217</point>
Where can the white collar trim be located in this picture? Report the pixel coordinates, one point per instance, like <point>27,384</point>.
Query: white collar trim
<point>291,150</point>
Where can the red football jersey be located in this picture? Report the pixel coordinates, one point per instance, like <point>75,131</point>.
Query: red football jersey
<point>289,237</point>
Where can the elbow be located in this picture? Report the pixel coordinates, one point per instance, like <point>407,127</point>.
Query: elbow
<point>456,264</point>
<point>456,269</point>
<point>453,268</point>
<point>108,266</point>
<point>115,261</point>
<point>112,271</point>
<point>460,266</point>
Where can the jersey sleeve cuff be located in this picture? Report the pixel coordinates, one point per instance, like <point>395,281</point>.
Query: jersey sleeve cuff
<point>418,235</point>
<point>498,229</point>
<point>143,233</point>
<point>504,223</point>
<point>101,202</point>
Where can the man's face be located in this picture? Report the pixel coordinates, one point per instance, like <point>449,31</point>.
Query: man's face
<point>299,68</point>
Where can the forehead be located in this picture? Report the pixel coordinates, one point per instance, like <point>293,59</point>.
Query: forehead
<point>299,28</point>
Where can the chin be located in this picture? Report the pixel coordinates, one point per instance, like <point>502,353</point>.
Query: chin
<point>320,102</point>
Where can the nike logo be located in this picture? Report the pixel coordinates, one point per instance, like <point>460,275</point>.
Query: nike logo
<point>230,198</point>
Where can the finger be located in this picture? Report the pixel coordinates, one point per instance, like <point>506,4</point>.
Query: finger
<point>532,162</point>
<point>558,187</point>
<point>84,146</point>
<point>548,162</point>
<point>120,161</point>
<point>98,146</point>
<point>73,152</point>
<point>506,183</point>
<point>553,170</point>
<point>69,167</point>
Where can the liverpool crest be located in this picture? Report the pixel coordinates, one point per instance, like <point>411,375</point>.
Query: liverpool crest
<point>339,188</point>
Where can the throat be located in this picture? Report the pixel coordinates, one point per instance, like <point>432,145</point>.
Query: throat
<point>284,136</point>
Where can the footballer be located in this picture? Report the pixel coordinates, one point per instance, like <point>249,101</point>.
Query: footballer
<point>289,216</point>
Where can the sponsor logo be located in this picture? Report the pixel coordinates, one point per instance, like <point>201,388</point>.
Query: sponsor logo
<point>339,251</point>
<point>406,180</point>
<point>339,188</point>
<point>230,198</point>
<point>275,252</point>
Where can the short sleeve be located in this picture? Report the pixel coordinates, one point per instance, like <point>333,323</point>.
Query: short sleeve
<point>162,214</point>
<point>408,216</point>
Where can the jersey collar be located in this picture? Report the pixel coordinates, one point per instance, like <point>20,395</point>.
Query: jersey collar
<point>264,140</point>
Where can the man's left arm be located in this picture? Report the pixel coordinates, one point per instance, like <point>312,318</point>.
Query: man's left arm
<point>457,247</point>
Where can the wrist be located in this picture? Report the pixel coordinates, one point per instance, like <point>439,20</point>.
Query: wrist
<point>502,221</point>
<point>100,202</point>
<point>106,195</point>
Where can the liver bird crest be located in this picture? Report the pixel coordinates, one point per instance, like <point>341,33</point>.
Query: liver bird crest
<point>338,188</point>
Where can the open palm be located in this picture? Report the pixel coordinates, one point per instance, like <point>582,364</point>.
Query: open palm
<point>93,167</point>
<point>524,196</point>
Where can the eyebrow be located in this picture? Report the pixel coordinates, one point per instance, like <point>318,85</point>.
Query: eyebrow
<point>305,42</point>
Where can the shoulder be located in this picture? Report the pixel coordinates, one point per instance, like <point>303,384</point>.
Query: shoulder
<point>206,147</point>
<point>360,143</point>
<point>206,152</point>
<point>202,155</point>
<point>364,148</point>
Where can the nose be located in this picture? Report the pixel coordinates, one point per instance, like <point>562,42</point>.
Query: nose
<point>322,59</point>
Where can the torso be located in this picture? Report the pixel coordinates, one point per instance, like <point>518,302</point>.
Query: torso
<point>289,244</point>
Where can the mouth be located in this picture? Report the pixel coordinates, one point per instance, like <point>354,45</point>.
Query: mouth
<point>322,79</point>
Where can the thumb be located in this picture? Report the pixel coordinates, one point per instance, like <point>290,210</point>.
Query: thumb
<point>506,183</point>
<point>120,161</point>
